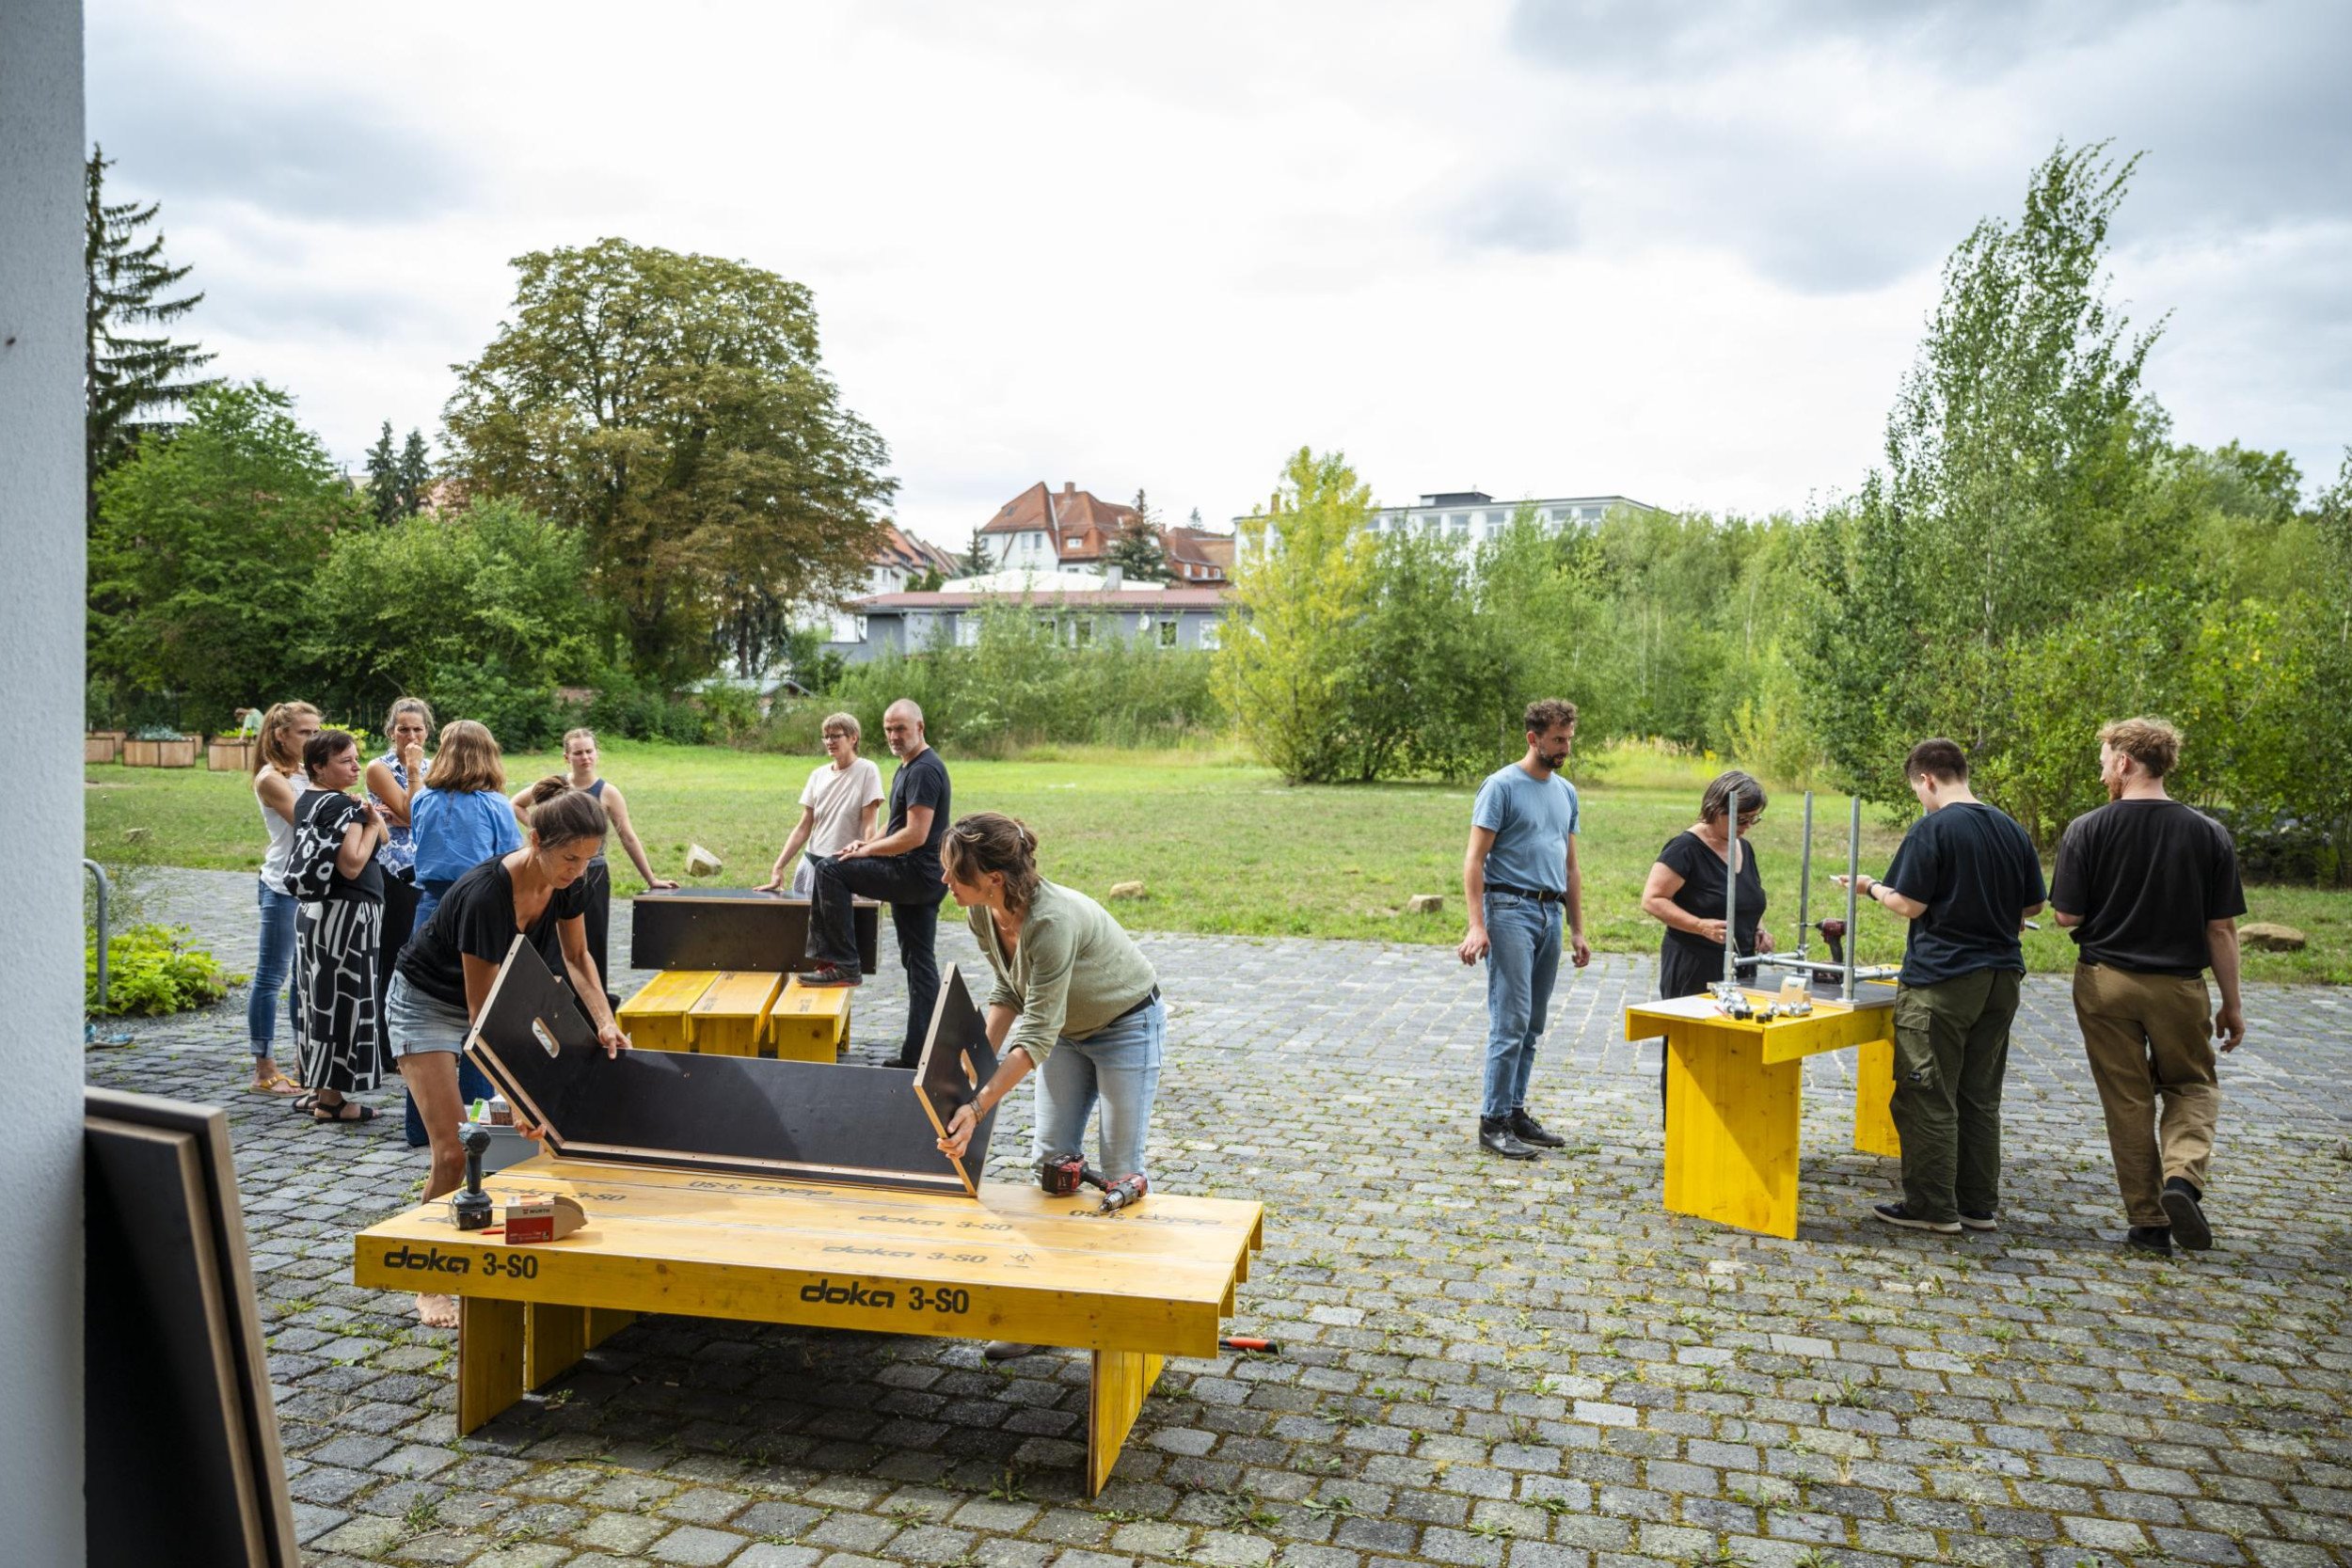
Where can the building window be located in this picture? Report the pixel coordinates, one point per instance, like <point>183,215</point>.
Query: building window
<point>1212,635</point>
<point>968,631</point>
<point>1082,632</point>
<point>1167,632</point>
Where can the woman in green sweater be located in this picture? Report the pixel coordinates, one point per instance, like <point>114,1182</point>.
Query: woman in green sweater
<point>1074,998</point>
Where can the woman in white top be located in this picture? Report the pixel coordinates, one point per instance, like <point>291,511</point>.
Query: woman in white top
<point>837,805</point>
<point>277,785</point>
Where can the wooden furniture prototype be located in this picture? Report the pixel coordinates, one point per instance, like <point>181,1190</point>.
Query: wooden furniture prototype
<point>1734,1096</point>
<point>808,1023</point>
<point>181,1431</point>
<point>731,1016</point>
<point>1132,1288</point>
<point>734,928</point>
<point>814,1122</point>
<point>654,1018</point>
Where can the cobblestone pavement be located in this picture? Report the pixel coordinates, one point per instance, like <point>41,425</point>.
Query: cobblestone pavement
<point>1485,1365</point>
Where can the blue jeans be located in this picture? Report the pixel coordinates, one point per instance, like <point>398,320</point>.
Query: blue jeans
<point>1119,1065</point>
<point>1523,961</point>
<point>271,968</point>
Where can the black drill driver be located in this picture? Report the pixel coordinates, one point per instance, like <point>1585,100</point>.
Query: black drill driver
<point>1064,1175</point>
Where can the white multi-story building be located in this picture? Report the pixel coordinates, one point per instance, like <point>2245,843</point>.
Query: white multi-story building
<point>1475,517</point>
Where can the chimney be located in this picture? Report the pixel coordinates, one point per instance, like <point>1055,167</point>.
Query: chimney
<point>1113,577</point>
<point>1068,488</point>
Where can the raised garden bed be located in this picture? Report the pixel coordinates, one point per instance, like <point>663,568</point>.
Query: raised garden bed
<point>103,745</point>
<point>230,753</point>
<point>177,751</point>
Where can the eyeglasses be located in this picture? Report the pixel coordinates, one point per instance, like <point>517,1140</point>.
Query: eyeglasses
<point>1749,818</point>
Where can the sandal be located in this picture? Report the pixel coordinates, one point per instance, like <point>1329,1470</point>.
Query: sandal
<point>307,1100</point>
<point>320,1113</point>
<point>277,1083</point>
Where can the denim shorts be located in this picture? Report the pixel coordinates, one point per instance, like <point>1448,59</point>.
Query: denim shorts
<point>415,1023</point>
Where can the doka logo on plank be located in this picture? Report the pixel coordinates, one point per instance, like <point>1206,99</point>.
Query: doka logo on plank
<point>432,1260</point>
<point>852,1295</point>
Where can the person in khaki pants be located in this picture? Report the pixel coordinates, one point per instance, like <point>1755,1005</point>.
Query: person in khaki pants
<point>2150,889</point>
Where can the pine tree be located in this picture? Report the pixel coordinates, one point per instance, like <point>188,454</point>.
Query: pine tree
<point>416,473</point>
<point>129,381</point>
<point>1138,551</point>
<point>977,562</point>
<point>384,480</point>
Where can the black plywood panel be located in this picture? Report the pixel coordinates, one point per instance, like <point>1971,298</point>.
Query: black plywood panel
<point>734,928</point>
<point>816,1122</point>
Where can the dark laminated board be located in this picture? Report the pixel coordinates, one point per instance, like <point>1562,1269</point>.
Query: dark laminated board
<point>734,928</point>
<point>957,1060</point>
<point>810,1121</point>
<point>183,1462</point>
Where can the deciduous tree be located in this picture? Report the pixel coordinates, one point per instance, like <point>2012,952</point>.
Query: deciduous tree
<point>676,410</point>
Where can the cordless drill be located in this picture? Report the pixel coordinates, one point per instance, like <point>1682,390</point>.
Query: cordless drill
<point>470,1206</point>
<point>1063,1175</point>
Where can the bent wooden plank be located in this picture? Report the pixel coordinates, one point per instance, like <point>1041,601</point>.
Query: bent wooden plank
<point>804,1120</point>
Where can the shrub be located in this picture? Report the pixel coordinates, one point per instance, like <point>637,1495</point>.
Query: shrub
<point>151,970</point>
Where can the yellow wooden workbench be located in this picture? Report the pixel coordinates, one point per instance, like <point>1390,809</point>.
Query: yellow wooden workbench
<point>1133,1287</point>
<point>1733,1096</point>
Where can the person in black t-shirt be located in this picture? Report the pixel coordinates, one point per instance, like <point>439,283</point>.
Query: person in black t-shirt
<point>902,868</point>
<point>1685,892</point>
<point>444,976</point>
<point>2149,889</point>
<point>1967,879</point>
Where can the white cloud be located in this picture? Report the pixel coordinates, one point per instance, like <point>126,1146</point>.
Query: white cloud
<point>1535,250</point>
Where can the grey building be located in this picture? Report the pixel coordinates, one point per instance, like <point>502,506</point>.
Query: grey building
<point>1170,618</point>
<point>1476,516</point>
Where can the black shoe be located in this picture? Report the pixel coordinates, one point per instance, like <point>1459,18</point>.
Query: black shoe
<point>832,974</point>
<point>2183,1206</point>
<point>1900,1215</point>
<point>1980,1222</point>
<point>1528,1131</point>
<point>2153,1239</point>
<point>1495,1134</point>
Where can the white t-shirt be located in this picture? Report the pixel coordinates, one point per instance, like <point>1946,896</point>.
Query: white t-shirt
<point>839,796</point>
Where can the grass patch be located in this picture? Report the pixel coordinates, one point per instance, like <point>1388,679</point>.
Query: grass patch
<point>1223,848</point>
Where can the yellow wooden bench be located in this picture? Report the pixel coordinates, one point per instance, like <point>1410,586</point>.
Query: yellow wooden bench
<point>1733,1092</point>
<point>654,1018</point>
<point>1133,1289</point>
<point>809,1024</point>
<point>732,1014</point>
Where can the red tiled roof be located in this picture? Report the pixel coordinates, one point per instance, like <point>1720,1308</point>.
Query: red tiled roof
<point>901,551</point>
<point>1083,526</point>
<point>1101,598</point>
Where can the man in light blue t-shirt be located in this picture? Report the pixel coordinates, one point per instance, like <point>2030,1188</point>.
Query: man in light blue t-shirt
<point>1519,878</point>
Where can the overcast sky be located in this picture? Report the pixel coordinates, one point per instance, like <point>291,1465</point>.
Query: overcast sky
<point>1533,249</point>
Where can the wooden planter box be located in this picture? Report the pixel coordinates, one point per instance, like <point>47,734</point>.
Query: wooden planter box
<point>160,754</point>
<point>230,753</point>
<point>103,746</point>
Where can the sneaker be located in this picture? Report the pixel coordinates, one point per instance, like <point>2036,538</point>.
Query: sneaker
<point>1980,1222</point>
<point>2156,1239</point>
<point>1006,1350</point>
<point>1528,1131</point>
<point>1495,1134</point>
<point>832,974</point>
<point>1897,1213</point>
<point>2184,1204</point>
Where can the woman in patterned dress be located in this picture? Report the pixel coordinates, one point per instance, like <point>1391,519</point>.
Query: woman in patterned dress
<point>337,1026</point>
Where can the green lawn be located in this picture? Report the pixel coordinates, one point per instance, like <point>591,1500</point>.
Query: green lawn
<point>1223,845</point>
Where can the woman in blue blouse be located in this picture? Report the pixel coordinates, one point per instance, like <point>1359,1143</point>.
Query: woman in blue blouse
<point>462,817</point>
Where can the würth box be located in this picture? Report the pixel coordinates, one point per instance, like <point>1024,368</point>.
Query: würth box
<point>541,1217</point>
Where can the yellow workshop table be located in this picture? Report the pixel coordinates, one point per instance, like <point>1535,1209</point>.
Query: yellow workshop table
<point>1132,1288</point>
<point>731,1016</point>
<point>809,1024</point>
<point>1733,1097</point>
<point>656,1017</point>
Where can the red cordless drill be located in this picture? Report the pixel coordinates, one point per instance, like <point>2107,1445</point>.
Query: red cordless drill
<point>1065,1174</point>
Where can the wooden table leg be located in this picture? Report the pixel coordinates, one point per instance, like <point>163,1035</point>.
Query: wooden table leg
<point>604,1323</point>
<point>1873,1099</point>
<point>1113,1398</point>
<point>554,1340</point>
<point>490,1359</point>
<point>1731,1130</point>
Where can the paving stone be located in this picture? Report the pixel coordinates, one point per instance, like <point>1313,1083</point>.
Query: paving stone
<point>695,1547</point>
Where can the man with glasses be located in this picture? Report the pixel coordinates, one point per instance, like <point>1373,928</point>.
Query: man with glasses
<point>1967,879</point>
<point>901,868</point>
